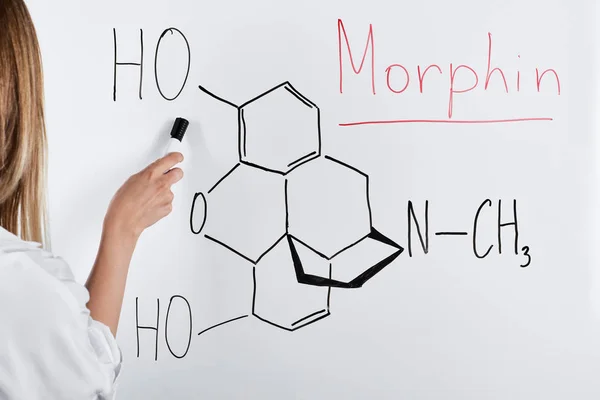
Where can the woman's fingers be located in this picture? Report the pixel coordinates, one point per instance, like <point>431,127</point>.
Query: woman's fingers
<point>173,176</point>
<point>165,163</point>
<point>146,197</point>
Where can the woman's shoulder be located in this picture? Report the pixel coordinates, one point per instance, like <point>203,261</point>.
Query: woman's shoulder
<point>43,312</point>
<point>35,289</point>
<point>13,248</point>
<point>47,274</point>
<point>10,242</point>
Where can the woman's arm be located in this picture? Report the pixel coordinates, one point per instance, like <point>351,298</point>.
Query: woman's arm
<point>142,201</point>
<point>106,283</point>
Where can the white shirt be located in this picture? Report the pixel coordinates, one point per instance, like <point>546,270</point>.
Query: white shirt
<point>50,347</point>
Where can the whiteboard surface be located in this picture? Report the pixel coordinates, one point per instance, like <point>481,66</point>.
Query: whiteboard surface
<point>438,325</point>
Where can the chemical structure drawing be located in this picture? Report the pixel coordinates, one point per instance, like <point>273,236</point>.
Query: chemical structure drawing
<point>301,218</point>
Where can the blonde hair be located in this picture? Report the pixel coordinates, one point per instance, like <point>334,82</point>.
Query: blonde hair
<point>23,143</point>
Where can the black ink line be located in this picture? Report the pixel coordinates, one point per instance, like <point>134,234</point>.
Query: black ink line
<point>319,281</point>
<point>411,212</point>
<point>115,73</point>
<point>451,233</point>
<point>327,314</point>
<point>116,63</point>
<point>319,130</point>
<point>303,98</point>
<point>229,248</point>
<point>347,247</point>
<point>254,304</point>
<point>307,246</point>
<point>329,288</point>
<point>253,289</point>
<point>245,132</point>
<point>516,226</point>
<point>526,254</point>
<point>192,213</point>
<point>307,279</point>
<point>264,94</point>
<point>298,96</point>
<point>360,280</point>
<point>308,316</point>
<point>287,207</point>
<point>187,74</point>
<point>167,325</point>
<point>239,143</point>
<point>347,166</point>
<point>141,60</point>
<point>214,96</point>
<point>272,323</point>
<point>264,168</point>
<point>487,202</point>
<point>380,237</point>
<point>270,248</point>
<point>502,225</point>
<point>223,323</point>
<point>290,329</point>
<point>241,255</point>
<point>368,195</point>
<point>302,158</point>
<point>357,282</point>
<point>138,327</point>
<point>499,226</point>
<point>223,178</point>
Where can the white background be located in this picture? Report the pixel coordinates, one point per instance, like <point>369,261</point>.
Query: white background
<point>439,326</point>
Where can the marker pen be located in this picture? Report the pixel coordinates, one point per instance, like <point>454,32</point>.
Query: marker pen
<point>177,132</point>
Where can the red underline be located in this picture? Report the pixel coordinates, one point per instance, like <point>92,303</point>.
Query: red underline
<point>446,121</point>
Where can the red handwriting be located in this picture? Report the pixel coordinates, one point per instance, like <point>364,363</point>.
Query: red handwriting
<point>421,77</point>
<point>447,121</point>
<point>452,90</point>
<point>462,79</point>
<point>539,77</point>
<point>370,41</point>
<point>489,63</point>
<point>519,78</point>
<point>389,70</point>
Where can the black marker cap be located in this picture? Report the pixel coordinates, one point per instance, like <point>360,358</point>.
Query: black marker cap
<point>179,128</point>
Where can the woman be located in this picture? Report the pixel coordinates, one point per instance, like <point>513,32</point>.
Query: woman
<point>57,338</point>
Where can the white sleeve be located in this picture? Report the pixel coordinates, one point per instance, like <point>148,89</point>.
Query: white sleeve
<point>101,338</point>
<point>50,347</point>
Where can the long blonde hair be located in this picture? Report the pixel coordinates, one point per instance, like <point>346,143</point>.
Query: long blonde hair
<point>23,142</point>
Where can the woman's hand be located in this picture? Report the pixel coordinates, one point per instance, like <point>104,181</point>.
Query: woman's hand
<point>144,199</point>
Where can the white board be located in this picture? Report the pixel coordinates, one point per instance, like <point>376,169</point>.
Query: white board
<point>360,238</point>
